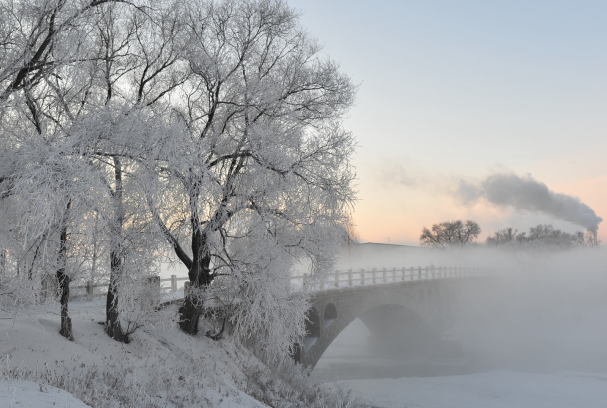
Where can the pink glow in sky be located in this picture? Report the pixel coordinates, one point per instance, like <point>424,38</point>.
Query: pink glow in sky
<point>461,90</point>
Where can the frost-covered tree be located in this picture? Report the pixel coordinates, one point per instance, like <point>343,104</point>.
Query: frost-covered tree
<point>79,115</point>
<point>262,161</point>
<point>135,67</point>
<point>37,39</point>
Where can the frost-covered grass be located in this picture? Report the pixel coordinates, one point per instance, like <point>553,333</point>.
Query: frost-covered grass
<point>161,367</point>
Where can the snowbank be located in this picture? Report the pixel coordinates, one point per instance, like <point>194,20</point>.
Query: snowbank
<point>161,366</point>
<point>27,394</point>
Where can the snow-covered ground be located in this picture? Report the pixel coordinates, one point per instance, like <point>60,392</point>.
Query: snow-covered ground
<point>161,367</point>
<point>161,364</point>
<point>27,394</point>
<point>497,389</point>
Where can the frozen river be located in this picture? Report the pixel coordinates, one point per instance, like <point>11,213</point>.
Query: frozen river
<point>487,378</point>
<point>495,389</point>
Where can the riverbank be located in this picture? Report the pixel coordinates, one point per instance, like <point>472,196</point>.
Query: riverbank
<point>160,367</point>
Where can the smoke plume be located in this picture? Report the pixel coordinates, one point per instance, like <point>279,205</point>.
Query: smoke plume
<point>508,190</point>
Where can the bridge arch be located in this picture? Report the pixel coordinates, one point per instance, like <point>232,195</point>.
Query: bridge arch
<point>329,315</point>
<point>341,307</point>
<point>396,330</point>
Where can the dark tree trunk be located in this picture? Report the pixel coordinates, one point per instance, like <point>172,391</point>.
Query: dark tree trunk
<point>189,313</point>
<point>64,285</point>
<point>112,317</point>
<point>64,288</point>
<point>3,260</point>
<point>200,277</point>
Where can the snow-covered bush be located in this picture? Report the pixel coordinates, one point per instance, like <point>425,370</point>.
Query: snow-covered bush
<point>288,385</point>
<point>262,309</point>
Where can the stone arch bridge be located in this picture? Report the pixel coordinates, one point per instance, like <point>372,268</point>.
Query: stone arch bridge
<point>377,297</point>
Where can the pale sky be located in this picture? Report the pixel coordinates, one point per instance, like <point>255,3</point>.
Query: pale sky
<point>453,90</point>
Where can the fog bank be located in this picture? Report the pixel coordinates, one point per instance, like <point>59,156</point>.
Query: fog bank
<point>544,312</point>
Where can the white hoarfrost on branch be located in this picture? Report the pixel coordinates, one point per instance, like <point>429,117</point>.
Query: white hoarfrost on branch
<point>262,173</point>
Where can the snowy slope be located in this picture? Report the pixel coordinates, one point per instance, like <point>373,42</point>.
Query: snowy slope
<point>159,365</point>
<point>26,394</point>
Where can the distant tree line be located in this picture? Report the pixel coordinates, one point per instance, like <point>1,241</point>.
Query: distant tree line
<point>541,235</point>
<point>460,233</point>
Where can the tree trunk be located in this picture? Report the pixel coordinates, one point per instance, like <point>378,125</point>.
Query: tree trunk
<point>3,261</point>
<point>200,277</point>
<point>112,317</point>
<point>64,284</point>
<point>66,321</point>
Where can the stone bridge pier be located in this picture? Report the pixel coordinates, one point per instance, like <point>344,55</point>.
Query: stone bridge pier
<point>397,314</point>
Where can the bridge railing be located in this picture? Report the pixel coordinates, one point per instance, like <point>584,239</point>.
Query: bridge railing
<point>357,277</point>
<point>335,279</point>
<point>90,289</point>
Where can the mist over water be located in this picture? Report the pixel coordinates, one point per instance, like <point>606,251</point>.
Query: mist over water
<point>545,312</point>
